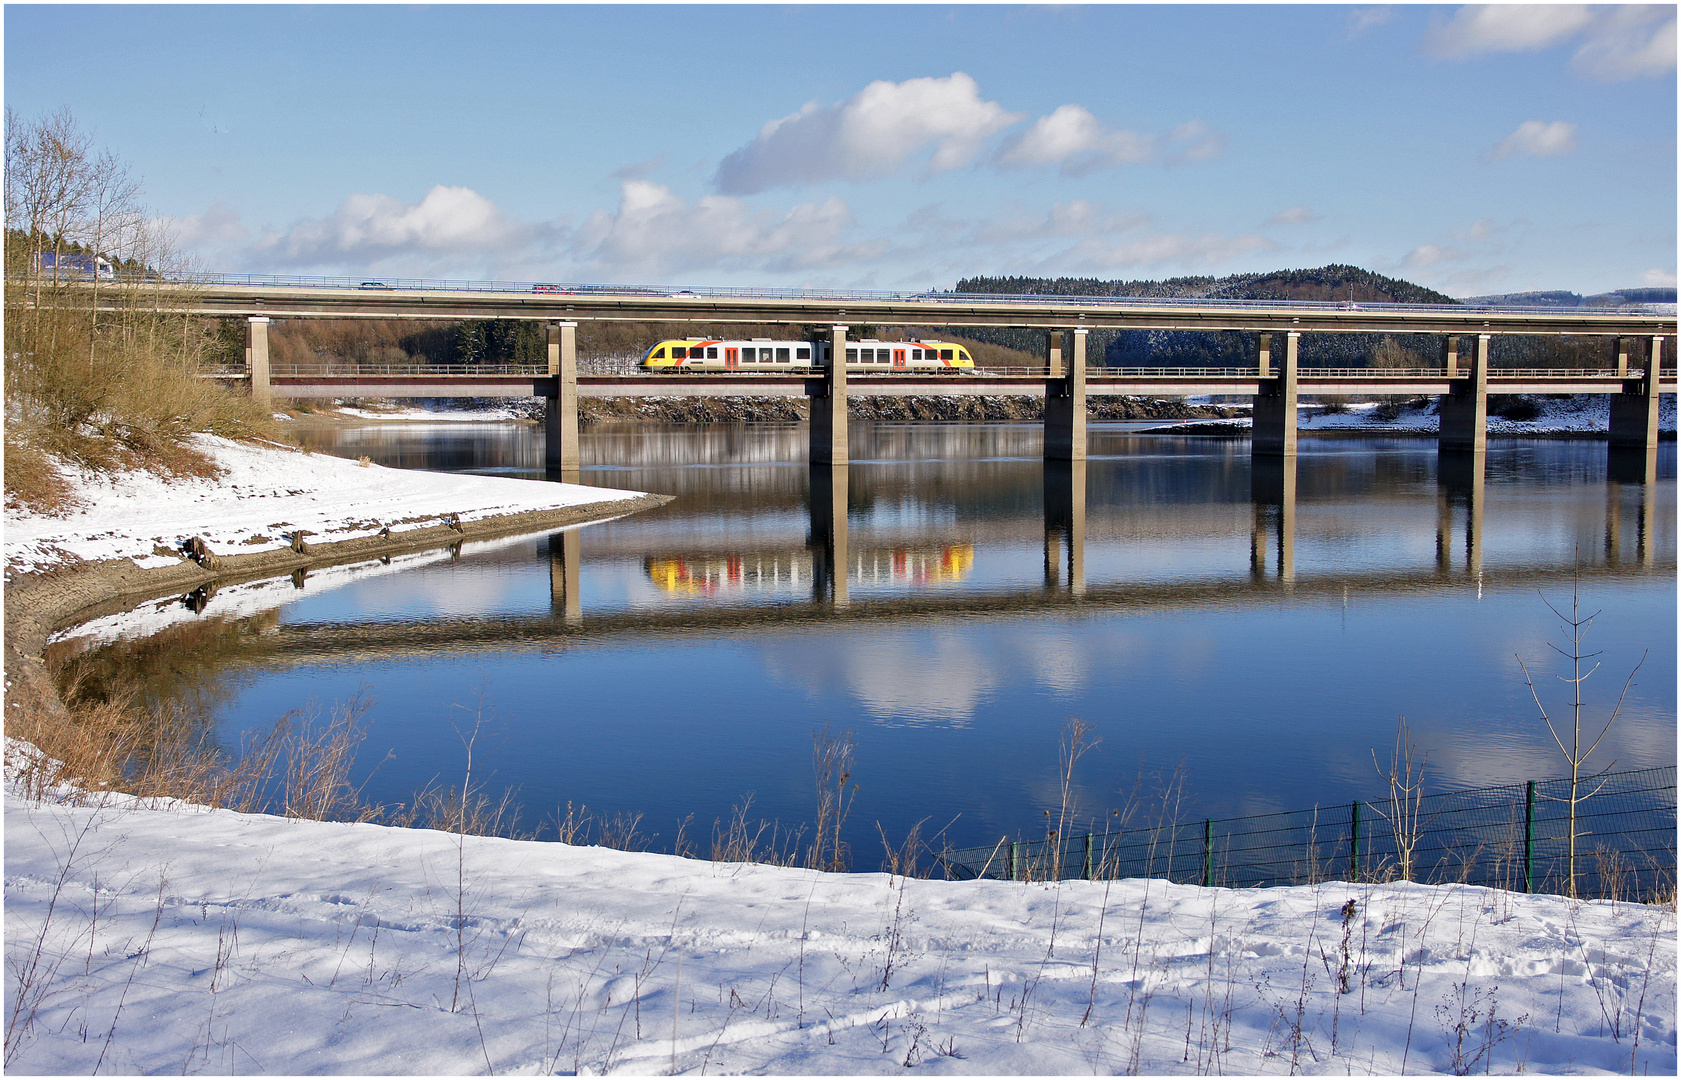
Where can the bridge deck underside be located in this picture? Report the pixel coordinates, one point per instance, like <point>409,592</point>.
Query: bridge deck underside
<point>525,386</point>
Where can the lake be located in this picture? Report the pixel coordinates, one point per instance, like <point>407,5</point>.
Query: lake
<point>954,603</point>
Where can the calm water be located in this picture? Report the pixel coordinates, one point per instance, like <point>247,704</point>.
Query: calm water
<point>953,603</point>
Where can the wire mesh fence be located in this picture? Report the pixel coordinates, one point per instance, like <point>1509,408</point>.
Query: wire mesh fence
<point>1510,836</point>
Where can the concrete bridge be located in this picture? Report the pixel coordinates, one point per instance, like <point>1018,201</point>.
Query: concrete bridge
<point>1462,380</point>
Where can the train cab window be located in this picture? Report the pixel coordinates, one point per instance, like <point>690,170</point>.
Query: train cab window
<point>802,354</point>
<point>782,356</point>
<point>657,354</point>
<point>712,352</point>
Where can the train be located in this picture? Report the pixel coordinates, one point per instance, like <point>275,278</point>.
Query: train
<point>763,354</point>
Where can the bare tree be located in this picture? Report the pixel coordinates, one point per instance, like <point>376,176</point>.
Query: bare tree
<point>1406,795</point>
<point>1574,755</point>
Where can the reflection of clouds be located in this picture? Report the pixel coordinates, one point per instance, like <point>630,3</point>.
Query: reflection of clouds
<point>910,677</point>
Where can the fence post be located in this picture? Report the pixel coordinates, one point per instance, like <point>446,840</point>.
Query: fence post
<point>1354,845</point>
<point>1015,860</point>
<point>1088,857</point>
<point>1529,837</point>
<point>1208,853</point>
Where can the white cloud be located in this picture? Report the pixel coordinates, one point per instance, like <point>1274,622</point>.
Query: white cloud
<point>655,232</point>
<point>1076,141</point>
<point>218,227</point>
<point>881,130</point>
<point>1535,139</point>
<point>371,229</point>
<point>1656,278</point>
<point>1477,29</point>
<point>1629,42</point>
<point>1362,19</point>
<point>1426,255</point>
<point>1296,215</point>
<point>1614,42</point>
<point>1206,252</point>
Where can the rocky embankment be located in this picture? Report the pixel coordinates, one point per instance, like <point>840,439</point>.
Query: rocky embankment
<point>688,410</point>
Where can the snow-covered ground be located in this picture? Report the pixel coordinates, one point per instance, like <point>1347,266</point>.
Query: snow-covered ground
<point>477,415</point>
<point>172,938</point>
<point>265,494</point>
<point>1583,414</point>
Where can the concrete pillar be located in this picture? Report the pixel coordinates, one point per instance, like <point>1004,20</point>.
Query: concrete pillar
<point>1634,412</point>
<point>1450,356</point>
<point>1055,342</point>
<point>1621,349</point>
<point>1464,412</point>
<point>256,357</point>
<point>830,554</point>
<point>1272,488</point>
<point>1263,355</point>
<point>565,557</point>
<point>1275,406</point>
<point>828,408</point>
<point>560,418</point>
<point>1460,480</point>
<point>1065,408</point>
<point>1065,523</point>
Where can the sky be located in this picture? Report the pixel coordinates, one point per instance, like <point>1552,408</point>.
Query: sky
<point>1474,150</point>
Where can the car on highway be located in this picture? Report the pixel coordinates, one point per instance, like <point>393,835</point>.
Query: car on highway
<point>373,285</point>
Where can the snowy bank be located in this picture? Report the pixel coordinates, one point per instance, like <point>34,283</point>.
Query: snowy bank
<point>173,938</point>
<point>264,496</point>
<point>1580,414</point>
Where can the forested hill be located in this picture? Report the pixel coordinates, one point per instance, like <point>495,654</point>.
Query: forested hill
<point>1334,282</point>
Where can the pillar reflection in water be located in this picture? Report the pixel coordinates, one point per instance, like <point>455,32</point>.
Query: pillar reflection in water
<point>1460,481</point>
<point>1272,489</point>
<point>827,539</point>
<point>1632,475</point>
<point>1065,525</point>
<point>565,554</point>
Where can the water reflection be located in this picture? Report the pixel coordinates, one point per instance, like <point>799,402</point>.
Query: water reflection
<point>954,599</point>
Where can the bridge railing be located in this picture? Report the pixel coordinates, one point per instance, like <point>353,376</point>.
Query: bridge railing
<point>618,367</point>
<point>698,292</point>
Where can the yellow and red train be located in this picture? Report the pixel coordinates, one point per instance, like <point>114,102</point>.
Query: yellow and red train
<point>763,354</point>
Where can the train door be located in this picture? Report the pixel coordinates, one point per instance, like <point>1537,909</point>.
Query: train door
<point>732,358</point>
<point>899,359</point>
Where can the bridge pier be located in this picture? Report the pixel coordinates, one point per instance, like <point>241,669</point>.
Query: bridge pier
<point>1275,406</point>
<point>1460,478</point>
<point>560,416</point>
<point>1055,341</point>
<point>1065,522</point>
<point>1464,412</point>
<point>1272,489</point>
<point>1634,412</point>
<point>256,358</point>
<point>565,557</point>
<point>828,411</point>
<point>1065,404</point>
<point>830,554</point>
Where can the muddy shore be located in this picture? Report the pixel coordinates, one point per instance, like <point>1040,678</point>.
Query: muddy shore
<point>38,604</point>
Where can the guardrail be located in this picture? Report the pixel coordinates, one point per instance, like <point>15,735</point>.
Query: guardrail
<point>701,292</point>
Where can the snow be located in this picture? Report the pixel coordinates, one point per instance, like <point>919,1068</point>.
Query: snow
<point>1582,414</point>
<point>265,494</point>
<point>152,937</point>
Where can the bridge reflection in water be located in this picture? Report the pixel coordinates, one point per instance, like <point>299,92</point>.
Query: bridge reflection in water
<point>828,569</point>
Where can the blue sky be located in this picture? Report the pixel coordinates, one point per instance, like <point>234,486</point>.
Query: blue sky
<point>1473,150</point>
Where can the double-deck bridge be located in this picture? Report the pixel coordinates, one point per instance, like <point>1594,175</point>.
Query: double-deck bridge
<point>1462,380</point>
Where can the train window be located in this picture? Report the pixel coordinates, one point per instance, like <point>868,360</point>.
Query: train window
<point>782,356</point>
<point>946,354</point>
<point>748,355</point>
<point>852,356</point>
<point>802,354</point>
<point>697,352</point>
<point>712,352</point>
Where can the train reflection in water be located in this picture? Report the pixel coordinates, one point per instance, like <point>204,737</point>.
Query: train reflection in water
<point>917,567</point>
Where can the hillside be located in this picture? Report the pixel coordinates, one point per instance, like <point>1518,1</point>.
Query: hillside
<point>1333,283</point>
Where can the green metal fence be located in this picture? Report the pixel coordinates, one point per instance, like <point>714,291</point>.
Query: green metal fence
<point>1512,836</point>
